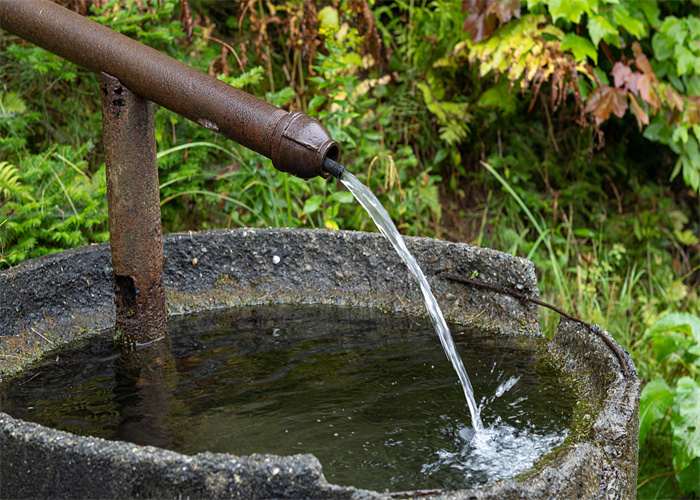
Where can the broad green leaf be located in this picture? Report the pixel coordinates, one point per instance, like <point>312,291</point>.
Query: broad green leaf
<point>342,197</point>
<point>693,153</point>
<point>581,47</point>
<point>685,60</point>
<point>312,204</point>
<point>571,10</point>
<point>316,102</point>
<point>693,85</point>
<point>693,24</point>
<point>662,45</point>
<point>625,20</point>
<point>680,135</point>
<point>654,402</point>
<point>599,27</point>
<point>675,28</point>
<point>689,478</point>
<point>686,423</point>
<point>677,321</point>
<point>651,11</point>
<point>691,173</point>
<point>665,344</point>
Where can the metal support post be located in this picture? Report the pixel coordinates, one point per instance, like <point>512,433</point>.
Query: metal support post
<point>133,201</point>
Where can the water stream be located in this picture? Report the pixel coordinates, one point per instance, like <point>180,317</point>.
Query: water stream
<point>388,229</point>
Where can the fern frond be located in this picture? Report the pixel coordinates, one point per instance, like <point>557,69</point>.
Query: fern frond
<point>11,185</point>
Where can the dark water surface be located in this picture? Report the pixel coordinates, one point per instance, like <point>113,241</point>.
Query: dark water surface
<point>370,394</point>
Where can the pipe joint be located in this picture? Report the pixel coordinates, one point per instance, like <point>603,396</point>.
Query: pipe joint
<point>300,144</point>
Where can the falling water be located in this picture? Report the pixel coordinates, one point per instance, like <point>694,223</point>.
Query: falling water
<point>388,229</point>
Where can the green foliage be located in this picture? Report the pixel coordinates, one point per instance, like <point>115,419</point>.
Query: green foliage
<point>671,402</point>
<point>524,87</point>
<point>686,427</point>
<point>655,71</point>
<point>52,203</point>
<point>656,399</point>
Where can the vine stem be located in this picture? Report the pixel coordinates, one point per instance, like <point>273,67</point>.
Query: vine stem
<point>513,293</point>
<point>656,476</point>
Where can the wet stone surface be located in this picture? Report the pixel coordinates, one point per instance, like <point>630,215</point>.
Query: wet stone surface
<point>49,301</point>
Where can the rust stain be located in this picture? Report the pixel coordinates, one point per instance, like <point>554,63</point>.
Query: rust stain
<point>133,200</point>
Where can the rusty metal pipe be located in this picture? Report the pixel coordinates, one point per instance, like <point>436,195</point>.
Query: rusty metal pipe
<point>133,203</point>
<point>295,142</point>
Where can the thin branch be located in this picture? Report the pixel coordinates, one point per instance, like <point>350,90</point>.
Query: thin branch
<point>513,293</point>
<point>657,476</point>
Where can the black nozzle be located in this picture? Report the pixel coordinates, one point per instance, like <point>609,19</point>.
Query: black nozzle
<point>332,167</point>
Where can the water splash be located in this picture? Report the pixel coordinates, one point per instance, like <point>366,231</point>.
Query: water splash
<point>498,452</point>
<point>388,229</point>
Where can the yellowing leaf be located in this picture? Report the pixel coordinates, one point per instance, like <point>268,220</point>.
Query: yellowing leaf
<point>641,115</point>
<point>328,17</point>
<point>673,99</point>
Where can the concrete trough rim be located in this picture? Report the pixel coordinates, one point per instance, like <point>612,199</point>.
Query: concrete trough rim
<point>72,289</point>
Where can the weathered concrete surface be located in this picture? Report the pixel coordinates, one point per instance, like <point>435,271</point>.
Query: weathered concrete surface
<point>38,462</point>
<point>51,300</point>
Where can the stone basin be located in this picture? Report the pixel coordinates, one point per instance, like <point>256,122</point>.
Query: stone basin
<point>53,300</point>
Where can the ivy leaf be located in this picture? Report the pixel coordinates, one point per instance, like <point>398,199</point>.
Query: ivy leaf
<point>621,74</point>
<point>571,10</point>
<point>580,47</point>
<point>599,28</point>
<point>693,85</point>
<point>481,21</point>
<point>691,163</point>
<point>675,29</point>
<point>643,64</point>
<point>654,402</point>
<point>479,25</point>
<point>641,115</point>
<point>644,84</point>
<point>685,60</point>
<point>633,83</point>
<point>659,131</point>
<point>505,10</point>
<point>625,20</point>
<point>673,98</point>
<point>693,24</point>
<point>606,100</point>
<point>686,423</point>
<point>651,11</point>
<point>662,45</point>
<point>602,76</point>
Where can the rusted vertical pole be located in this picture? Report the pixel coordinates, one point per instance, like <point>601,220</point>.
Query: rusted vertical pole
<point>133,202</point>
